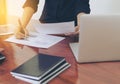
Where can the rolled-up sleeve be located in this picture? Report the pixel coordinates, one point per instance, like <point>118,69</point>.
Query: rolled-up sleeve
<point>31,3</point>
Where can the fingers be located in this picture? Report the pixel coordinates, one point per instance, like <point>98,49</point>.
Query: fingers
<point>20,35</point>
<point>26,33</point>
<point>72,33</point>
<point>77,28</point>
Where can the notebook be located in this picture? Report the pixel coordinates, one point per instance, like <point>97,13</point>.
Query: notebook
<point>52,74</point>
<point>38,66</point>
<point>99,39</point>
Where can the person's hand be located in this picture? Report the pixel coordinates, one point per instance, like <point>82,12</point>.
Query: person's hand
<point>21,33</point>
<point>76,32</point>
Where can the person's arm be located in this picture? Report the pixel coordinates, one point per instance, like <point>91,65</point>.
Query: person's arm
<point>77,28</point>
<point>27,14</point>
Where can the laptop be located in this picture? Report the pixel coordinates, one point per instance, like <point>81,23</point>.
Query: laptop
<point>99,39</point>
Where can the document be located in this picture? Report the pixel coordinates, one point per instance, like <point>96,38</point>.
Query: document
<point>53,28</point>
<point>40,40</point>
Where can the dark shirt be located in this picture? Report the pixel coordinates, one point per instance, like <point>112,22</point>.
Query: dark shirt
<point>60,10</point>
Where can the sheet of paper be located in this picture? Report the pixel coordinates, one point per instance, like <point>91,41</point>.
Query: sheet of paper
<point>40,41</point>
<point>53,28</point>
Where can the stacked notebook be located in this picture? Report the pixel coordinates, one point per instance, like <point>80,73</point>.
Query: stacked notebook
<point>40,69</point>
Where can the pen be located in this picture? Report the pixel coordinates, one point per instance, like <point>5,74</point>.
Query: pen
<point>22,29</point>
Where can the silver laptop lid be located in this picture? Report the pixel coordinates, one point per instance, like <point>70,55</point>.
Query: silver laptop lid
<point>99,38</point>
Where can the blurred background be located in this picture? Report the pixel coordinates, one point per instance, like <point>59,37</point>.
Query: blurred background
<point>97,7</point>
<point>14,7</point>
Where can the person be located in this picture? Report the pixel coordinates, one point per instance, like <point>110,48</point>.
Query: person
<point>54,11</point>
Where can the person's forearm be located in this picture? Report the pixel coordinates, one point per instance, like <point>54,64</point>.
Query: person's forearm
<point>77,28</point>
<point>78,18</point>
<point>27,14</point>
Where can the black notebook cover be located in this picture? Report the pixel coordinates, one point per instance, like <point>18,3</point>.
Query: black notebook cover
<point>52,74</point>
<point>38,66</point>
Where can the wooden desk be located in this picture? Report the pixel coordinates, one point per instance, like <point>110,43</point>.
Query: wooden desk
<point>92,73</point>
